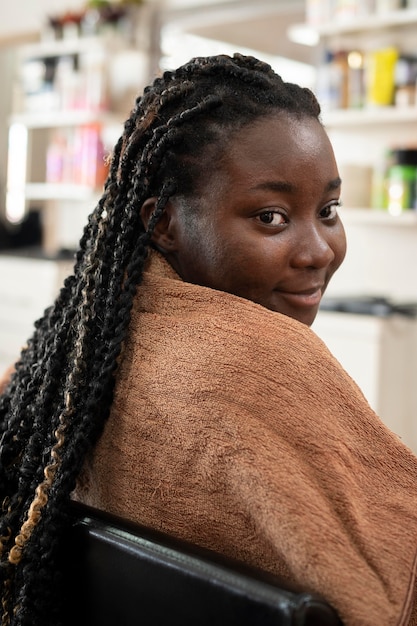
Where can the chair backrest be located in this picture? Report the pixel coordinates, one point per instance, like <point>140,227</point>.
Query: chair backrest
<point>118,574</point>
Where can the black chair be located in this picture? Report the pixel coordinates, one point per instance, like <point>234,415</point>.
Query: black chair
<point>119,574</point>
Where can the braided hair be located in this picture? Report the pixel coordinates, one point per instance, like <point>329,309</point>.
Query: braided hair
<point>57,401</point>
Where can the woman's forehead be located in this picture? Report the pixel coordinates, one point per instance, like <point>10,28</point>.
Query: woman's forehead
<point>280,141</point>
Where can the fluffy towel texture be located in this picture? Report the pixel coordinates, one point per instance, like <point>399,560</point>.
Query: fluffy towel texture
<point>234,427</point>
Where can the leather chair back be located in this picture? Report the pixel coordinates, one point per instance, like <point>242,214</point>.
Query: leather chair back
<point>119,574</point>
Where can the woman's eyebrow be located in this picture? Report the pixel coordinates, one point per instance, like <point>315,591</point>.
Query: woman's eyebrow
<point>274,185</point>
<point>282,185</point>
<point>334,184</point>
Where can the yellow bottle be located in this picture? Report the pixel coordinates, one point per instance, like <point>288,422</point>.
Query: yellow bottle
<point>380,76</point>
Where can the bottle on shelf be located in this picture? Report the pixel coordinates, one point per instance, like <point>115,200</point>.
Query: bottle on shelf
<point>376,78</point>
<point>406,81</point>
<point>394,183</point>
<point>77,156</point>
<point>402,181</point>
<point>380,76</point>
<point>379,195</point>
<point>331,84</point>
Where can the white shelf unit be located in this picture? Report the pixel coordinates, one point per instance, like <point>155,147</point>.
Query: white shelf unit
<point>100,77</point>
<point>379,217</point>
<point>112,125</point>
<point>391,20</point>
<point>370,117</point>
<point>60,191</point>
<point>379,353</point>
<point>58,119</point>
<point>361,136</point>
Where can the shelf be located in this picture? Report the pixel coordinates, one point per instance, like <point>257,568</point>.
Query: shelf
<point>370,116</point>
<point>72,45</point>
<point>57,119</point>
<point>374,22</point>
<point>68,114</point>
<point>47,191</point>
<point>378,217</point>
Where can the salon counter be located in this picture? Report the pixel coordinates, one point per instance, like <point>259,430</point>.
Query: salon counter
<point>379,351</point>
<point>29,282</point>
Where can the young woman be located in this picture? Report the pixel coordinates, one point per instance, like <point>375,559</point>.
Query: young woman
<point>176,382</point>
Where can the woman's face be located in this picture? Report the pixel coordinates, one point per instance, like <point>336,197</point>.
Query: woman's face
<point>266,225</point>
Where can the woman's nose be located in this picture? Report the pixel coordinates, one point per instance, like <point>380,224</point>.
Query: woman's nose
<point>313,249</point>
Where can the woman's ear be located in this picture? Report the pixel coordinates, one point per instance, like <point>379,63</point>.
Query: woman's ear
<point>163,235</point>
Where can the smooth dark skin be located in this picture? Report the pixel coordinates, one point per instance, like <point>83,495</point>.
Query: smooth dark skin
<point>267,227</point>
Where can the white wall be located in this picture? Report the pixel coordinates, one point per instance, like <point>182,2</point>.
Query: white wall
<point>381,258</point>
<point>25,17</point>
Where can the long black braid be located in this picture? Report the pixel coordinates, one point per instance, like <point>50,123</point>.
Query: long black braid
<point>60,395</point>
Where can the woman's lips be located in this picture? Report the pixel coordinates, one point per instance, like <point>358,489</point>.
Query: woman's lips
<point>306,298</point>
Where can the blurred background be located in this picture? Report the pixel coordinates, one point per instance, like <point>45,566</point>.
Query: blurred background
<point>69,75</point>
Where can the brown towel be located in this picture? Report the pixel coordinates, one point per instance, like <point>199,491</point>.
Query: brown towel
<point>235,428</point>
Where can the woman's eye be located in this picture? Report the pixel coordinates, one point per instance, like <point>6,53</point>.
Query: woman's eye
<point>271,218</point>
<point>329,212</point>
